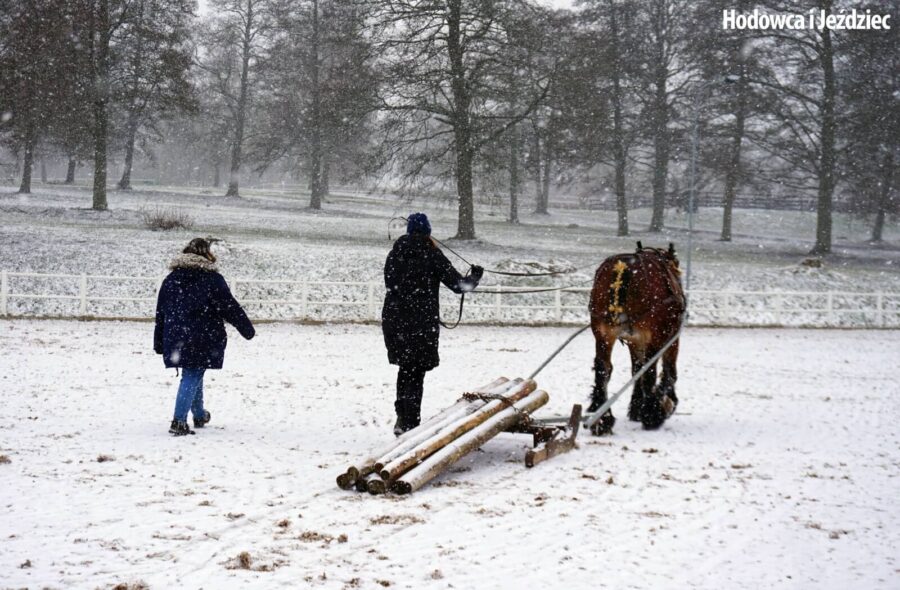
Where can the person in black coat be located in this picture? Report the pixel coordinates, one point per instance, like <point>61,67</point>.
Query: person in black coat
<point>194,302</point>
<point>410,319</point>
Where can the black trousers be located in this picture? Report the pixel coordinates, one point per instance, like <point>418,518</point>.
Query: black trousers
<point>410,383</point>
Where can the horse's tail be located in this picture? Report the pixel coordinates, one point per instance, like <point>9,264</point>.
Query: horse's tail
<point>618,289</point>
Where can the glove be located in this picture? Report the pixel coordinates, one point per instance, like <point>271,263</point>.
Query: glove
<point>476,273</point>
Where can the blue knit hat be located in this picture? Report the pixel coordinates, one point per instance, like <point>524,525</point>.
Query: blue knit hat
<point>418,223</point>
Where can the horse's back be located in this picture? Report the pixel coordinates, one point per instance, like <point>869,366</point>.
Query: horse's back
<point>635,294</point>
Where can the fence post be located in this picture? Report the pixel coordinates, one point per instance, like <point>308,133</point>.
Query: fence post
<point>83,295</point>
<point>498,303</point>
<point>558,306</point>
<point>371,301</point>
<point>4,292</point>
<point>830,307</point>
<point>879,309</point>
<point>304,299</point>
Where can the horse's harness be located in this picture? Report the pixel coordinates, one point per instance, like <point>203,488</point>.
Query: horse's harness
<point>667,260</point>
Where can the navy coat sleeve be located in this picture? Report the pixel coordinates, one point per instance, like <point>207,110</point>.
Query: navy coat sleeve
<point>229,309</point>
<point>451,277</point>
<point>160,321</point>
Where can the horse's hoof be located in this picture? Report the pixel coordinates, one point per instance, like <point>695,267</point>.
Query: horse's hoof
<point>633,413</point>
<point>668,405</point>
<point>653,416</point>
<point>604,425</point>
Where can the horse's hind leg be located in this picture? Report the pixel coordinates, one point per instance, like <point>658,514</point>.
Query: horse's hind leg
<point>637,392</point>
<point>666,387</point>
<point>653,413</point>
<point>602,373</point>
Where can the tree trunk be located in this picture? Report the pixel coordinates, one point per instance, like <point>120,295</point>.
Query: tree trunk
<point>734,166</point>
<point>315,153</point>
<point>70,170</point>
<point>134,110</point>
<point>28,161</point>
<point>620,154</point>
<point>514,175</point>
<point>660,123</point>
<point>544,207</point>
<point>43,170</point>
<point>884,197</point>
<point>101,31</point>
<point>236,148</point>
<point>660,157</point>
<point>537,159</point>
<point>217,175</point>
<point>828,130</point>
<point>461,124</point>
<point>125,182</point>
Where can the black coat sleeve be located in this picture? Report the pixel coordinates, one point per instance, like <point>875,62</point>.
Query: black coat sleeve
<point>229,309</point>
<point>160,322</point>
<point>451,277</point>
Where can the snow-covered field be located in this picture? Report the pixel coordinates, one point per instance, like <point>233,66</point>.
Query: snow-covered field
<point>780,469</point>
<point>271,235</point>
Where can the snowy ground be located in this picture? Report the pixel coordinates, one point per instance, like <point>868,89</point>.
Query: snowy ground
<point>780,469</point>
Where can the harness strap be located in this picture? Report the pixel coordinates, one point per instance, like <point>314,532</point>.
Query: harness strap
<point>462,300</point>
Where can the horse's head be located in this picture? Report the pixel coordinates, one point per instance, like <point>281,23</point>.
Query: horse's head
<point>668,256</point>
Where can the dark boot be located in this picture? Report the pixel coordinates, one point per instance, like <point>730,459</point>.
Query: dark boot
<point>201,422</point>
<point>410,381</point>
<point>180,428</point>
<point>407,416</point>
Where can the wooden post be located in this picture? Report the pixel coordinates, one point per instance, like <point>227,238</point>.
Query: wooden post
<point>879,309</point>
<point>371,300</point>
<point>463,409</point>
<point>304,299</point>
<point>451,453</point>
<point>82,308</point>
<point>404,462</point>
<point>4,292</point>
<point>413,437</point>
<point>830,307</point>
<point>558,306</point>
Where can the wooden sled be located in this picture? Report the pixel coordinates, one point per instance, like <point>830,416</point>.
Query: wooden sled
<point>420,455</point>
<point>550,441</point>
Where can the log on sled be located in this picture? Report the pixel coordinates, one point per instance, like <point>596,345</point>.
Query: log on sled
<point>420,455</point>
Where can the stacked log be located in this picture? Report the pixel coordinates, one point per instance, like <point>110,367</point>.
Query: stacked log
<point>421,454</point>
<point>415,436</point>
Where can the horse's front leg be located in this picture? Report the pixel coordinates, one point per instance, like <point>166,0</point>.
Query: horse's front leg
<point>602,372</point>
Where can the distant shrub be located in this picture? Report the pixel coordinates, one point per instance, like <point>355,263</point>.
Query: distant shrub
<point>161,218</point>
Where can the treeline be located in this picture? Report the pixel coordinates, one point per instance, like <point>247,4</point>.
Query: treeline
<point>465,96</point>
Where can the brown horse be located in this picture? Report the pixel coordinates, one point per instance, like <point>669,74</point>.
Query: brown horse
<point>637,298</point>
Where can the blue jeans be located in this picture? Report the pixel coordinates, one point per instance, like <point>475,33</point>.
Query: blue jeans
<point>190,394</point>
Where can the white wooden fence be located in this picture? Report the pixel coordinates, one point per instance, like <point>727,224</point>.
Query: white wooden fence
<point>25,294</point>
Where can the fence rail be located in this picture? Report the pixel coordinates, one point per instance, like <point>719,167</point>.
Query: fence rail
<point>26,294</point>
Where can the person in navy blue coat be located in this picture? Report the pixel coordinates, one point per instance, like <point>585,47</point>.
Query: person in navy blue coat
<point>193,305</point>
<point>410,319</point>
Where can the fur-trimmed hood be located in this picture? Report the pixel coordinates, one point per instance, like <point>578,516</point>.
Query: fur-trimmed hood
<point>193,261</point>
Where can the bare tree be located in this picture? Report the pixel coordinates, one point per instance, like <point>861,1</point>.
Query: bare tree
<point>154,59</point>
<point>235,42</point>
<point>801,76</point>
<point>318,93</point>
<point>442,63</point>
